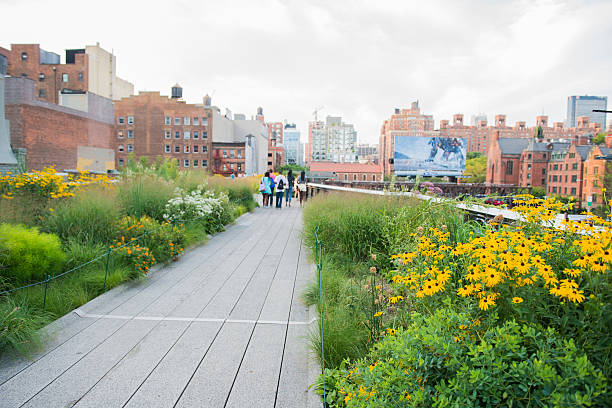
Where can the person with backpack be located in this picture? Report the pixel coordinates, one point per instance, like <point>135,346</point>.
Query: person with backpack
<point>281,184</point>
<point>289,189</point>
<point>264,188</point>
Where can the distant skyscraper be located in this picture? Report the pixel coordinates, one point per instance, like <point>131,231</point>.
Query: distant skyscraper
<point>583,105</point>
<point>332,140</point>
<point>292,144</point>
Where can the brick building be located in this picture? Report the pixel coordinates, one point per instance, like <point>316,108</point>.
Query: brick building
<point>150,124</point>
<point>54,135</point>
<point>276,151</point>
<point>402,123</point>
<point>228,158</point>
<point>348,171</point>
<point>91,69</point>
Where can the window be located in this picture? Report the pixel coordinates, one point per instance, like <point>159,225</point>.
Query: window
<point>80,77</point>
<point>232,153</point>
<point>186,120</point>
<point>120,148</point>
<point>573,191</point>
<point>204,149</point>
<point>204,135</point>
<point>566,166</point>
<point>595,183</point>
<point>574,178</point>
<point>186,149</point>
<point>204,163</point>
<point>130,134</point>
<point>373,177</point>
<point>565,190</point>
<point>167,134</point>
<point>177,149</point>
<point>554,190</point>
<point>529,156</point>
<point>187,135</point>
<point>121,120</point>
<point>186,163</point>
<point>130,120</point>
<point>225,153</point>
<point>167,149</point>
<point>196,121</point>
<point>225,167</point>
<point>346,177</point>
<point>64,77</point>
<point>575,166</point>
<point>41,77</point>
<point>365,176</point>
<point>556,167</point>
<point>42,93</point>
<point>167,120</point>
<point>555,178</point>
<point>24,56</point>
<point>195,163</point>
<point>204,121</point>
<point>130,148</point>
<point>120,162</point>
<point>528,175</point>
<point>177,121</point>
<point>120,134</point>
<point>529,167</point>
<point>177,134</point>
<point>239,155</point>
<point>196,135</point>
<point>195,149</point>
<point>231,166</point>
<point>595,170</point>
<point>543,172</point>
<point>239,166</point>
<point>509,167</point>
<point>594,198</point>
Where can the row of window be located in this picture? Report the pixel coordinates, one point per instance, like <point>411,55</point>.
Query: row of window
<point>186,149</point>
<point>186,163</point>
<point>364,177</point>
<point>234,153</point>
<point>121,149</point>
<point>65,77</point>
<point>121,133</point>
<point>560,166</point>
<point>186,120</point>
<point>560,178</point>
<point>231,166</point>
<point>554,190</point>
<point>186,134</point>
<point>121,120</point>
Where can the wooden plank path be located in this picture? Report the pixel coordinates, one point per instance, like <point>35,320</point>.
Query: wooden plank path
<point>222,327</point>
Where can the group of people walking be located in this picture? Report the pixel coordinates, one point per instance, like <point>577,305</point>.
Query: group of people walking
<point>282,185</point>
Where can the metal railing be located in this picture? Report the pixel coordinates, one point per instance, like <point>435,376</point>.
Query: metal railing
<point>49,278</point>
<point>319,268</point>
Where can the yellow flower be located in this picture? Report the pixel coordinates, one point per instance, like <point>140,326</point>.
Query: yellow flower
<point>378,314</point>
<point>395,299</point>
<point>517,300</point>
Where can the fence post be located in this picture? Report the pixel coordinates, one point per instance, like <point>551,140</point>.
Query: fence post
<point>106,268</point>
<point>47,280</point>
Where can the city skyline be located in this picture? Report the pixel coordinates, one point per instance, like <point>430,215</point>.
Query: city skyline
<point>357,61</point>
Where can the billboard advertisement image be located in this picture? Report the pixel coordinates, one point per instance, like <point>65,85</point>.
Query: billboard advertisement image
<point>429,156</point>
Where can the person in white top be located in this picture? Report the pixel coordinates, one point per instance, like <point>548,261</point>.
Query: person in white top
<point>281,184</point>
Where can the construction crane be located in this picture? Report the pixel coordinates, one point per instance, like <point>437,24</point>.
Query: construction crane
<point>315,113</point>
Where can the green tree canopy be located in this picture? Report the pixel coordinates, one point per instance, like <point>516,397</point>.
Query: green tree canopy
<point>600,138</point>
<point>476,169</point>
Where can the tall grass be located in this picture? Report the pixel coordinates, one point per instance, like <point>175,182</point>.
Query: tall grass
<point>145,195</point>
<point>19,325</point>
<point>239,190</point>
<point>89,217</point>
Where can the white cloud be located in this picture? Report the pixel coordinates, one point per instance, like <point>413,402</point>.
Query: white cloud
<point>359,59</point>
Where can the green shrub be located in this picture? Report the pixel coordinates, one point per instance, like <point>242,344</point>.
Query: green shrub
<point>145,195</point>
<point>27,254</point>
<point>444,360</point>
<point>19,326</point>
<point>88,217</point>
<point>79,253</point>
<point>163,240</point>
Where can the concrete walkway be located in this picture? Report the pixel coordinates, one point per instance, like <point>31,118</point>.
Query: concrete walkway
<point>222,327</point>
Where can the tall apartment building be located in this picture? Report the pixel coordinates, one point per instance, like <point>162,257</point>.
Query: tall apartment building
<point>583,105</point>
<point>150,124</point>
<point>276,149</point>
<point>367,153</point>
<point>332,140</point>
<point>292,144</point>
<point>90,69</point>
<point>402,123</point>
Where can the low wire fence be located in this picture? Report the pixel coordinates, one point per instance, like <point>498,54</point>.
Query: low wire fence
<point>48,279</point>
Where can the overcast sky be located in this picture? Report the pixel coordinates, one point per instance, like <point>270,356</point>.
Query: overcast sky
<point>357,59</point>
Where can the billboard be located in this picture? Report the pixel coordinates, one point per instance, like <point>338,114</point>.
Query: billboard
<point>429,156</point>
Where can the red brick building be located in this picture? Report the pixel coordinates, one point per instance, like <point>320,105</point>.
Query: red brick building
<point>348,171</point>
<point>53,135</point>
<point>150,124</point>
<point>228,158</point>
<point>276,151</point>
<point>89,69</point>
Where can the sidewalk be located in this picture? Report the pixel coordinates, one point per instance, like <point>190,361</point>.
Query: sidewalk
<point>222,327</point>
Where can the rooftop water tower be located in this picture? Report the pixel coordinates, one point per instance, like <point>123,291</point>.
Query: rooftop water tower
<point>177,92</point>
